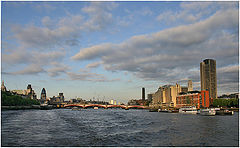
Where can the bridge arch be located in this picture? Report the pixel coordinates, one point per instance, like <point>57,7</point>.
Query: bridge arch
<point>136,107</point>
<point>95,105</point>
<point>73,105</point>
<point>116,106</point>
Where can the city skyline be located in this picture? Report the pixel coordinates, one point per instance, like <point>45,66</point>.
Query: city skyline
<point>113,49</point>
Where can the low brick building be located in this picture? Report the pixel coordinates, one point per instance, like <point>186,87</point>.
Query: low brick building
<point>193,98</point>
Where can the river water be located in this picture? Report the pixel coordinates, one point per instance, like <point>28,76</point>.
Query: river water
<point>115,127</point>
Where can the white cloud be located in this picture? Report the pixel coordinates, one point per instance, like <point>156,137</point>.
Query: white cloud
<point>57,69</point>
<point>94,65</point>
<point>29,70</point>
<point>192,12</point>
<point>170,55</point>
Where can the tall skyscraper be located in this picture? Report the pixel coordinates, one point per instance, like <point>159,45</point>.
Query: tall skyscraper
<point>43,95</point>
<point>190,87</point>
<point>209,77</point>
<point>143,94</point>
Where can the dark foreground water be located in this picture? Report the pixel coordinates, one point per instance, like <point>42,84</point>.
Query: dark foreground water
<point>116,127</point>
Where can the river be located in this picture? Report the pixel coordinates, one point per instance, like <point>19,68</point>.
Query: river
<point>115,127</point>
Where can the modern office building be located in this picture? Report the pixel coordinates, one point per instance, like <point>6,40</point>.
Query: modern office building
<point>43,94</point>
<point>209,77</point>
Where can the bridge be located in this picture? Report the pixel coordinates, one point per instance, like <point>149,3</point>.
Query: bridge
<point>105,106</point>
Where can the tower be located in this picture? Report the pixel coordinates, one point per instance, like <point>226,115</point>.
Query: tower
<point>209,77</point>
<point>190,87</point>
<point>43,95</point>
<point>29,89</point>
<point>143,94</point>
<point>3,88</point>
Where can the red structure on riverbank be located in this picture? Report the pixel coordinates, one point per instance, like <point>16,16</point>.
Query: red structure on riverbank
<point>193,98</point>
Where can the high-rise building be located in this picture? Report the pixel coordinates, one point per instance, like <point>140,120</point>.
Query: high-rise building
<point>43,95</point>
<point>190,86</point>
<point>143,94</point>
<point>209,77</point>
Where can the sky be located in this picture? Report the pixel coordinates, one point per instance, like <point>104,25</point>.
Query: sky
<point>110,50</point>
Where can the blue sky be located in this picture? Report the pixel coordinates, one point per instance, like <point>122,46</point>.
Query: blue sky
<point>109,50</point>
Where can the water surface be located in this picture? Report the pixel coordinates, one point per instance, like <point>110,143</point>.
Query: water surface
<point>116,127</point>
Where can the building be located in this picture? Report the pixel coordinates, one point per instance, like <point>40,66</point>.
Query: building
<point>143,94</point>
<point>209,77</point>
<point>111,102</point>
<point>193,98</point>
<point>184,89</point>
<point>43,94</point>
<point>28,93</point>
<point>57,100</point>
<point>190,86</point>
<point>3,88</point>
<point>166,95</point>
<point>149,97</point>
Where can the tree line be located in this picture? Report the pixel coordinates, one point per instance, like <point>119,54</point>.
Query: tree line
<point>226,102</point>
<point>13,100</point>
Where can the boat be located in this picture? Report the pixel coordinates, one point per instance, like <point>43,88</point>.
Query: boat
<point>224,112</point>
<point>45,106</point>
<point>95,107</point>
<point>188,110</point>
<point>173,111</point>
<point>153,110</point>
<point>208,112</point>
<point>163,110</point>
<point>76,108</point>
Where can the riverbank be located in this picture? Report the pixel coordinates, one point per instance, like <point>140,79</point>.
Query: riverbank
<point>20,107</point>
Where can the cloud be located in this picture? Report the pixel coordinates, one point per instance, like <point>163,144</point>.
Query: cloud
<point>172,54</point>
<point>191,12</point>
<point>88,76</point>
<point>36,62</point>
<point>65,31</point>
<point>18,56</point>
<point>100,15</point>
<point>57,69</point>
<point>94,65</point>
<point>29,70</point>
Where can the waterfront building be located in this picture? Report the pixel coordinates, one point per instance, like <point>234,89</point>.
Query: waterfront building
<point>193,98</point>
<point>61,97</point>
<point>3,88</point>
<point>166,95</point>
<point>143,94</point>
<point>190,86</point>
<point>57,100</point>
<point>28,93</point>
<point>43,95</point>
<point>209,77</point>
<point>111,102</point>
<point>149,97</point>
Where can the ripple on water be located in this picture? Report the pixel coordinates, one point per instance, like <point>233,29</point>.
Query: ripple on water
<point>115,127</point>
